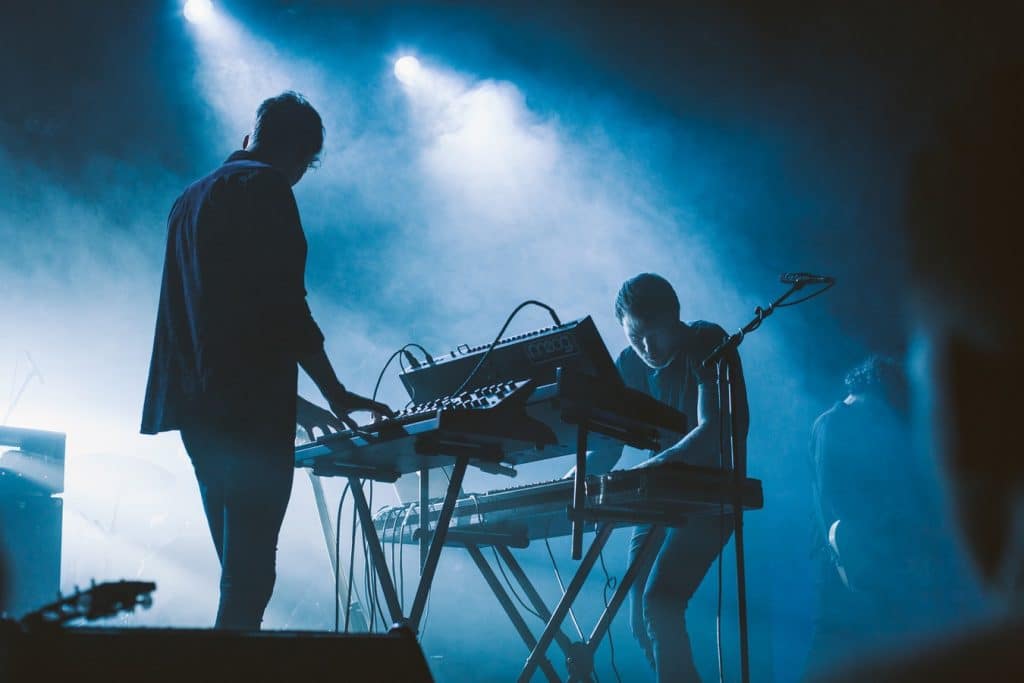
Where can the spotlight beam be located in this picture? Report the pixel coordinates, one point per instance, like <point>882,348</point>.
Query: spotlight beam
<point>198,11</point>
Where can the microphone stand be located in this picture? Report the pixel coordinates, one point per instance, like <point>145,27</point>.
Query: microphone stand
<point>733,341</point>
<point>735,447</point>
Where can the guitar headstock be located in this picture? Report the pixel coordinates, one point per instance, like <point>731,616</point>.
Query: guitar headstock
<point>98,601</point>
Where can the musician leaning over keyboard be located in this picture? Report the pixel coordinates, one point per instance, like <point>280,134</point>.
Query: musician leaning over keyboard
<point>663,359</point>
<point>232,328</point>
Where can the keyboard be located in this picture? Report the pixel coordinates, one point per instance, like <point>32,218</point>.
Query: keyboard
<point>666,494</point>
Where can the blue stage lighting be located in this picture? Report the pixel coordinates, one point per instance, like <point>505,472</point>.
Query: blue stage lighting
<point>407,69</point>
<point>198,11</point>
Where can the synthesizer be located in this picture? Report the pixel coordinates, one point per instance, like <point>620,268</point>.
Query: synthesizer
<point>511,423</point>
<point>484,423</point>
<point>537,355</point>
<point>666,494</point>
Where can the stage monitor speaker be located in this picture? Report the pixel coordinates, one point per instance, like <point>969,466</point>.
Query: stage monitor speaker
<point>165,655</point>
<point>30,536</point>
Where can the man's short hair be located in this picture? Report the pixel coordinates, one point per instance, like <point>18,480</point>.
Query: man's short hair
<point>646,297</point>
<point>289,125</point>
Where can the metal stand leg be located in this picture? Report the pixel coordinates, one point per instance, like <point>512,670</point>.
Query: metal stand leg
<point>380,562</point>
<point>437,542</point>
<point>562,609</point>
<point>734,452</point>
<point>358,620</point>
<point>564,642</point>
<point>741,596</point>
<point>424,517</point>
<point>510,609</point>
<point>578,490</point>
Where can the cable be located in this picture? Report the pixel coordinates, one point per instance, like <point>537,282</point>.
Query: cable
<point>508,321</point>
<point>391,358</point>
<point>351,566</point>
<point>821,291</point>
<point>337,558</point>
<point>610,583</point>
<point>401,556</point>
<point>558,577</point>
<point>426,355</point>
<point>511,588</point>
<point>721,528</point>
<point>389,513</point>
<point>374,578</point>
<point>380,376</point>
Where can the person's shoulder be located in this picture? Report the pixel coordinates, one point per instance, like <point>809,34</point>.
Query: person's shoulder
<point>262,186</point>
<point>828,417</point>
<point>627,358</point>
<point>631,368</point>
<point>837,408</point>
<point>706,335</point>
<point>258,175</point>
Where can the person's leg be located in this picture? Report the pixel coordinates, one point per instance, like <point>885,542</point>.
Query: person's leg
<point>204,448</point>
<point>678,570</point>
<point>256,498</point>
<point>637,622</point>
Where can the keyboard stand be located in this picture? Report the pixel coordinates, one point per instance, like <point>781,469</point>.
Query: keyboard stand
<point>579,656</point>
<point>429,561</point>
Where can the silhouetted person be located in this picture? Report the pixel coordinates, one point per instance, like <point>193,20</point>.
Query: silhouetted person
<point>880,571</point>
<point>663,359</point>
<point>232,327</point>
<point>965,208</point>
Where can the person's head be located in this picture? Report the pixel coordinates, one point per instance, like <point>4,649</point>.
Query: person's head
<point>880,377</point>
<point>288,135</point>
<point>964,211</point>
<point>647,308</point>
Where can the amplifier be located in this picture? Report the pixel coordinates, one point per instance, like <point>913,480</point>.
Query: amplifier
<point>31,473</point>
<point>537,355</point>
<point>34,456</point>
<point>30,539</point>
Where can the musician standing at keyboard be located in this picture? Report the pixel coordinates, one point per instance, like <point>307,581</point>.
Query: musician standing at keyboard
<point>663,360</point>
<point>232,326</point>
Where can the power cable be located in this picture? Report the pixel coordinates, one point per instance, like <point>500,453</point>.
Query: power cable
<point>508,321</point>
<point>610,583</point>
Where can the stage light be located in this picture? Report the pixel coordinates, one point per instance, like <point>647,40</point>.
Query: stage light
<point>198,11</point>
<point>407,69</point>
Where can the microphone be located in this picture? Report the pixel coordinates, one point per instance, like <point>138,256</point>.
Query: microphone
<point>806,279</point>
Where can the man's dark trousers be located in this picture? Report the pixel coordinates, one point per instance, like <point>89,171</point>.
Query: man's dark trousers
<point>663,589</point>
<point>245,480</point>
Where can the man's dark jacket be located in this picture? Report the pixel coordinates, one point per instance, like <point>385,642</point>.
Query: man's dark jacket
<point>233,317</point>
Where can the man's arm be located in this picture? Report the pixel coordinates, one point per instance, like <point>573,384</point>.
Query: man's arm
<point>342,402</point>
<point>601,460</point>
<point>701,445</point>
